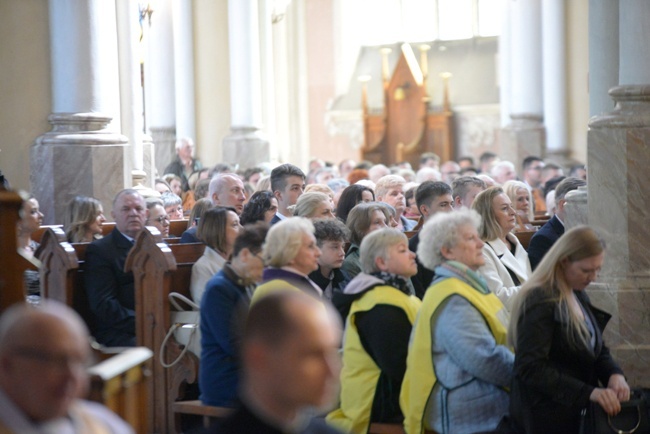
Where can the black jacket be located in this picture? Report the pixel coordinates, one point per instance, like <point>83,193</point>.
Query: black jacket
<point>110,290</point>
<point>553,379</point>
<point>543,240</point>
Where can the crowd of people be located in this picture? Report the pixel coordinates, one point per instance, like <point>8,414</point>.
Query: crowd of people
<point>414,282</point>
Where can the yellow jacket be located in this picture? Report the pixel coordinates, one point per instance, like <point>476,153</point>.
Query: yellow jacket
<point>420,378</point>
<point>360,374</point>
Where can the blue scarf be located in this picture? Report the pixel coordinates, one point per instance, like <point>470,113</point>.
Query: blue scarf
<point>462,272</point>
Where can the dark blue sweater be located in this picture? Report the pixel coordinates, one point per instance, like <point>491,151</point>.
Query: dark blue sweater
<point>223,307</point>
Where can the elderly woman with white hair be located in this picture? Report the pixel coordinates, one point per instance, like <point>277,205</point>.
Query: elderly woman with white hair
<point>458,363</point>
<point>290,253</point>
<point>314,205</point>
<point>381,310</point>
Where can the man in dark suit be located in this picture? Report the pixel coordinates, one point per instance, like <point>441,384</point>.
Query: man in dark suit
<point>548,234</point>
<point>289,355</point>
<point>287,184</point>
<point>110,290</point>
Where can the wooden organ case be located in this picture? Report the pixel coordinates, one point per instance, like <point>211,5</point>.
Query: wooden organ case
<point>408,125</point>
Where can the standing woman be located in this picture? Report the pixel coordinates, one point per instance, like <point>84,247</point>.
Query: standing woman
<point>557,335</point>
<point>218,229</point>
<point>84,219</point>
<point>506,261</point>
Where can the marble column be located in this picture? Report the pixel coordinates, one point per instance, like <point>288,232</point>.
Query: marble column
<point>603,54</point>
<point>184,68</point>
<point>246,145</point>
<point>525,135</point>
<point>84,153</point>
<point>554,78</point>
<point>159,83</point>
<point>618,159</point>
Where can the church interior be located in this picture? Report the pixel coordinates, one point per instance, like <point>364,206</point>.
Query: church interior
<point>95,93</point>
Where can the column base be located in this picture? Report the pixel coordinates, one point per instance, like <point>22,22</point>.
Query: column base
<point>524,136</point>
<point>618,154</point>
<point>165,149</point>
<point>78,157</point>
<point>246,146</point>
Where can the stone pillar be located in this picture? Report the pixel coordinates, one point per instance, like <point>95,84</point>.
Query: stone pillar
<point>618,159</point>
<point>246,144</point>
<point>576,208</point>
<point>184,68</point>
<point>131,97</point>
<point>603,54</point>
<point>525,135</point>
<point>554,78</point>
<point>504,65</point>
<point>83,154</point>
<point>159,83</point>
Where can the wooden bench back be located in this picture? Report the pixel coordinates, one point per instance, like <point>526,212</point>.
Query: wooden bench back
<point>524,237</point>
<point>13,264</point>
<point>158,269</point>
<point>121,384</point>
<point>177,227</point>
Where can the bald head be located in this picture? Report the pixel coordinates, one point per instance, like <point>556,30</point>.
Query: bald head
<point>43,356</point>
<point>227,189</point>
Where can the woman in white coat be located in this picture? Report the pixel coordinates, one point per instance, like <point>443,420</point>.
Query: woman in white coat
<point>506,261</point>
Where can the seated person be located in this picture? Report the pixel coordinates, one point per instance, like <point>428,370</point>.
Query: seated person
<point>331,236</point>
<point>198,210</point>
<point>314,205</point>
<point>83,220</point>
<point>506,265</point>
<point>390,189</point>
<point>287,184</point>
<point>110,290</point>
<point>157,217</point>
<point>465,189</point>
<point>459,365</point>
<point>223,307</point>
<point>363,219</point>
<point>290,254</point>
<point>173,205</point>
<point>431,198</point>
<point>351,197</point>
<point>217,229</point>
<point>44,354</point>
<point>377,332</point>
<point>553,229</point>
<point>31,219</point>
<point>262,206</point>
<point>289,367</point>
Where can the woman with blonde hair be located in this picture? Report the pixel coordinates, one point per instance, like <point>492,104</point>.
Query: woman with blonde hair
<point>314,205</point>
<point>557,335</point>
<point>83,219</point>
<point>522,201</point>
<point>506,261</point>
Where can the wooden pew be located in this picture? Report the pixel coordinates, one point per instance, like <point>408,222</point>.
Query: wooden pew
<point>38,235</point>
<point>120,383</point>
<point>177,227</point>
<point>13,264</point>
<point>524,237</point>
<point>159,269</point>
<point>61,272</point>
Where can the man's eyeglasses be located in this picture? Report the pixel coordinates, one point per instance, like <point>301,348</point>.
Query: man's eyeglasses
<point>162,218</point>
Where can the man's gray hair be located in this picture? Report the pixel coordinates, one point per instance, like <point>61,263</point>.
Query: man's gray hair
<point>442,230</point>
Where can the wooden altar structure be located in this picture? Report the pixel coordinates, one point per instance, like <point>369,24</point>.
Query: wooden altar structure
<point>407,126</point>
